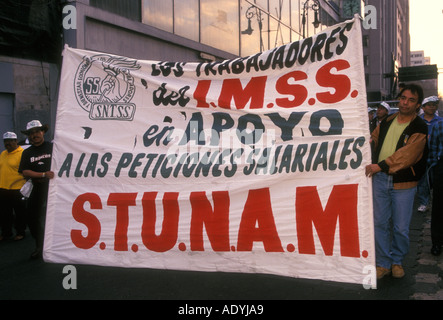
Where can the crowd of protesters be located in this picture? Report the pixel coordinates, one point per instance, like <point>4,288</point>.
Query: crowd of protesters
<point>24,180</point>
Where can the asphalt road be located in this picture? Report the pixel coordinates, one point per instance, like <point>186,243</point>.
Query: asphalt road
<point>22,278</point>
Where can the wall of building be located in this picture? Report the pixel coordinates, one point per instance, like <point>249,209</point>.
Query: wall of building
<point>28,86</point>
<point>30,50</point>
<point>388,42</point>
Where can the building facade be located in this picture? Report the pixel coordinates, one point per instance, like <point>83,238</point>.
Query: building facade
<point>386,48</point>
<point>193,30</point>
<point>418,58</point>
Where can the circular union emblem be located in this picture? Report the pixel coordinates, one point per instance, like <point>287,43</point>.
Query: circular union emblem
<point>104,81</point>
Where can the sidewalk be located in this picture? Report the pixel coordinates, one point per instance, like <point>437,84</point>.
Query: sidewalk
<point>429,270</point>
<point>22,278</point>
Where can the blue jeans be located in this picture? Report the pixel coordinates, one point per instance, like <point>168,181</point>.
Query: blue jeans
<point>423,191</point>
<point>392,217</point>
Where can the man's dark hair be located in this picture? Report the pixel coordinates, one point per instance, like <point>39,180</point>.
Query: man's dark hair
<point>415,89</point>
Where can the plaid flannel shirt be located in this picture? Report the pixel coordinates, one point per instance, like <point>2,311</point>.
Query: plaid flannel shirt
<point>436,144</point>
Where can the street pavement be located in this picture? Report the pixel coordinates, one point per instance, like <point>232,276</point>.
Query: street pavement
<point>24,279</point>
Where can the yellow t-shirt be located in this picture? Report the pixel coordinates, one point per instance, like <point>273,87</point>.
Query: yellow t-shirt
<point>391,140</point>
<point>9,177</point>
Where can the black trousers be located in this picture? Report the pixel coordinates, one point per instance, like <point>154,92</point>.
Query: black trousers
<point>37,213</point>
<point>437,205</point>
<point>12,212</point>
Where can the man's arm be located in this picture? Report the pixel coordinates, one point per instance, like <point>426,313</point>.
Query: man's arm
<point>35,175</point>
<point>406,156</point>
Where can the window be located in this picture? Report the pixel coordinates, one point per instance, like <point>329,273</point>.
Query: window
<point>6,114</point>
<point>186,19</point>
<point>220,24</point>
<point>158,13</point>
<point>254,24</point>
<point>241,27</point>
<point>366,61</point>
<point>366,41</point>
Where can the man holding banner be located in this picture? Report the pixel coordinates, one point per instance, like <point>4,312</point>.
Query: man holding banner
<point>36,165</point>
<point>399,160</point>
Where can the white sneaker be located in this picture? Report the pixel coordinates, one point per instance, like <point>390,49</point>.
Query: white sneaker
<point>422,208</point>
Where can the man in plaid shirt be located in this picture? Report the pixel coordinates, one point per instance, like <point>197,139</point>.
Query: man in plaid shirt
<point>430,116</point>
<point>435,163</point>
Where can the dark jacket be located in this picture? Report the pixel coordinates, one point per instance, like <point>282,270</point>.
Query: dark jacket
<point>408,163</point>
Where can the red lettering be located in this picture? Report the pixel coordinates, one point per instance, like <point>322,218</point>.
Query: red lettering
<point>258,211</point>
<point>122,201</point>
<point>232,89</point>
<point>201,92</point>
<point>299,92</point>
<point>216,221</point>
<point>341,83</point>
<point>88,219</point>
<point>169,234</point>
<point>257,221</point>
<point>342,204</point>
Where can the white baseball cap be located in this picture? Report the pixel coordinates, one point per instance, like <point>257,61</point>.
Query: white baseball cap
<point>430,99</point>
<point>9,135</point>
<point>386,106</point>
<point>35,124</point>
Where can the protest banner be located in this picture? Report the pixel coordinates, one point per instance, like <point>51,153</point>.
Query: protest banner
<point>251,165</point>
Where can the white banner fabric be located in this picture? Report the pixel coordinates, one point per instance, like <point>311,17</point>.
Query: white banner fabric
<point>251,165</point>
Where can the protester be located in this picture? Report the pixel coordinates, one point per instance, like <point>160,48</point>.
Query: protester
<point>399,160</point>
<point>429,107</point>
<point>12,210</point>
<point>36,164</point>
<point>371,116</point>
<point>382,113</point>
<point>435,163</point>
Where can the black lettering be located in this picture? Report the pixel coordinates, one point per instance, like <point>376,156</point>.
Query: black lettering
<point>124,162</point>
<point>66,166</point>
<point>316,54</point>
<point>344,38</point>
<point>292,55</point>
<point>298,158</point>
<point>78,172</point>
<point>104,162</point>
<point>305,51</point>
<point>345,152</point>
<point>328,53</point>
<point>92,164</point>
<point>335,120</point>
<point>286,126</point>
<point>357,143</point>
